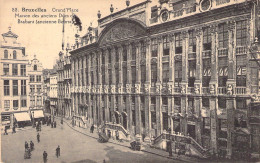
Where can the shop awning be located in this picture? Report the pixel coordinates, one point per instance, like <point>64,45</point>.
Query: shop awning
<point>23,116</point>
<point>37,114</point>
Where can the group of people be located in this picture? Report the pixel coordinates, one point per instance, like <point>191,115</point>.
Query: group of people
<point>28,149</point>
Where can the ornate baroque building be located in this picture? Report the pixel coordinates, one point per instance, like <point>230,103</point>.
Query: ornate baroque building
<point>14,80</point>
<point>174,66</point>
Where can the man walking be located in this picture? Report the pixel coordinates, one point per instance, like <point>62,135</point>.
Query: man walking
<point>92,128</point>
<point>45,155</point>
<point>38,137</point>
<point>58,151</point>
<point>14,129</point>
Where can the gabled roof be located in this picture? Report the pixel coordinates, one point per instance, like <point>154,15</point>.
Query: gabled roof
<point>9,34</point>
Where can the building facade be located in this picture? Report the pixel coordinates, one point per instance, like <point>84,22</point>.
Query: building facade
<point>13,79</point>
<point>174,66</point>
<point>53,93</point>
<point>35,73</point>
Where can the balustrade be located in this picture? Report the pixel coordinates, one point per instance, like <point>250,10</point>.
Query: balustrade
<point>222,90</point>
<point>241,50</point>
<point>240,90</point>
<point>223,52</point>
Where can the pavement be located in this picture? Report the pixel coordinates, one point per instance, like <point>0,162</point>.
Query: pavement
<point>145,148</point>
<point>77,146</point>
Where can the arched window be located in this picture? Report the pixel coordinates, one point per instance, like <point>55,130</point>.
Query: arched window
<point>14,54</point>
<point>6,54</point>
<point>35,67</point>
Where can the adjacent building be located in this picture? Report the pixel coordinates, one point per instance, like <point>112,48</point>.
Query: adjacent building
<point>174,66</point>
<point>53,93</point>
<point>14,80</point>
<point>35,72</point>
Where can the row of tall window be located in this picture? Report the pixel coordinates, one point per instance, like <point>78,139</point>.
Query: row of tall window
<point>15,104</point>
<point>6,54</point>
<point>223,39</point>
<point>38,78</point>
<point>15,87</point>
<point>38,102</point>
<point>6,69</point>
<point>38,88</point>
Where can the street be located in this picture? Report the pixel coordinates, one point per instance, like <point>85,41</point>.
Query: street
<point>75,147</point>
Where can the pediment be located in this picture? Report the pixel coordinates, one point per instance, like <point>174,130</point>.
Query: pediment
<point>121,30</point>
<point>9,34</point>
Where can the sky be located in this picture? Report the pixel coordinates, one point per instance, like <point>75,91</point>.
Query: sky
<point>45,40</point>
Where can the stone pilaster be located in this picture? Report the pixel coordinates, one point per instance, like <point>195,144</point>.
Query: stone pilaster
<point>230,124</point>
<point>171,58</point>
<point>213,124</point>
<point>148,64</point>
<point>183,118</point>
<point>138,127</point>
<point>159,59</point>
<point>185,44</point>
<point>198,124</point>
<point>199,48</point>
<point>231,56</point>
<point>214,58</point>
<point>147,118</point>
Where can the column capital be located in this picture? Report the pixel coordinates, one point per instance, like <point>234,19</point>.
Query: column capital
<point>148,41</point>
<point>198,32</point>
<point>213,28</point>
<point>231,25</point>
<point>184,34</point>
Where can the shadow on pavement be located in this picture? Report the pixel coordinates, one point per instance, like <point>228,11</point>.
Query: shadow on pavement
<point>85,161</point>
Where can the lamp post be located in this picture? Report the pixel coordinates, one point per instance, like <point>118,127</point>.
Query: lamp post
<point>33,118</point>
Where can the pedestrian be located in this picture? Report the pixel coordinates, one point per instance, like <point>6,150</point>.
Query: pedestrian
<point>51,124</point>
<point>92,128</point>
<point>31,145</point>
<point>54,124</point>
<point>117,135</point>
<point>5,131</point>
<point>26,145</point>
<point>58,151</point>
<point>38,137</point>
<point>45,155</point>
<point>14,129</point>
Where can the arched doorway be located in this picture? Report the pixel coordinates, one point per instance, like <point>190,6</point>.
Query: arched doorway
<point>124,116</point>
<point>117,117</point>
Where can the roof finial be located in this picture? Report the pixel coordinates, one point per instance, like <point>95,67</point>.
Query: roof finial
<point>34,56</point>
<point>9,28</point>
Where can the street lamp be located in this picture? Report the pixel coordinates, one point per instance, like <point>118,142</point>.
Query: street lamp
<point>33,118</point>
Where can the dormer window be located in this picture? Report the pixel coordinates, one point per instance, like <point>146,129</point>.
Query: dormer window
<point>6,54</point>
<point>35,67</point>
<point>14,54</point>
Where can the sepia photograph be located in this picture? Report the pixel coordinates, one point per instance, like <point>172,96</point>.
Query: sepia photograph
<point>129,81</point>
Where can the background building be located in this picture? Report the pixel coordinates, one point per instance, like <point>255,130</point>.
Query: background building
<point>53,93</point>
<point>35,72</point>
<point>14,99</point>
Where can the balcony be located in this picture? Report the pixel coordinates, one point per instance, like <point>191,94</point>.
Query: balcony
<point>206,54</point>
<point>222,90</point>
<point>192,55</point>
<point>205,90</point>
<point>241,50</point>
<point>223,52</point>
<point>240,90</point>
